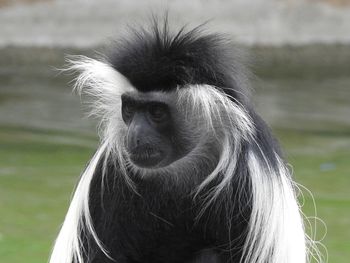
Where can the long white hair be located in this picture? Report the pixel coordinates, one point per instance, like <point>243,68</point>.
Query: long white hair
<point>275,230</point>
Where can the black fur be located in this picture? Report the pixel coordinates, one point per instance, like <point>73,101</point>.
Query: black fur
<point>159,223</point>
<point>156,59</point>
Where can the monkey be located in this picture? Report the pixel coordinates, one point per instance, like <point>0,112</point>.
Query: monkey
<point>186,169</point>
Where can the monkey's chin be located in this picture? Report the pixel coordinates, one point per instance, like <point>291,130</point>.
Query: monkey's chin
<point>147,160</point>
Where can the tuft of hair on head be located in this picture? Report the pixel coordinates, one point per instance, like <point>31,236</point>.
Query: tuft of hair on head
<point>159,58</point>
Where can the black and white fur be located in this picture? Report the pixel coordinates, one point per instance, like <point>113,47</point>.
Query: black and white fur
<point>235,202</point>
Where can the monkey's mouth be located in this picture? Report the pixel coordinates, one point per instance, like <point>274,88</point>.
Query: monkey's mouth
<point>145,156</point>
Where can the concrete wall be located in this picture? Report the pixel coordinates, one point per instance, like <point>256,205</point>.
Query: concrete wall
<point>85,23</point>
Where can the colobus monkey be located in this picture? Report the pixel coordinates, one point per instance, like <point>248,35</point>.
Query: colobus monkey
<point>186,170</point>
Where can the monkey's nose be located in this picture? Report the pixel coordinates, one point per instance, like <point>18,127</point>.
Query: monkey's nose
<point>135,140</point>
<point>139,131</point>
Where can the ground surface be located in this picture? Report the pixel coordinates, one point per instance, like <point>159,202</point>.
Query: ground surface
<point>304,93</point>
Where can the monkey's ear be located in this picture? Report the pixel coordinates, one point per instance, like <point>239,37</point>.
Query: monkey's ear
<point>99,81</point>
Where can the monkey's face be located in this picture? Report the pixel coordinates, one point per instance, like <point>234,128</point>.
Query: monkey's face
<point>154,135</point>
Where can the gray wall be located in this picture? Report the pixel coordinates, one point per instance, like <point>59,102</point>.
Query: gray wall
<point>85,23</point>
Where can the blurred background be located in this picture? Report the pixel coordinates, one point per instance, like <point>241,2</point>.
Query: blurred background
<point>299,51</point>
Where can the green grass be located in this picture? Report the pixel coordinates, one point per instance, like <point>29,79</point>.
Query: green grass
<point>36,181</point>
<point>321,163</point>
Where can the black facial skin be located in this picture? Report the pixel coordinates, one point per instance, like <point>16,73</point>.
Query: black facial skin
<point>151,139</point>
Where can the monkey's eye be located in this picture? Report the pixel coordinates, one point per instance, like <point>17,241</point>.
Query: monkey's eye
<point>158,112</point>
<point>128,110</point>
